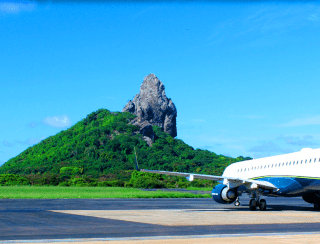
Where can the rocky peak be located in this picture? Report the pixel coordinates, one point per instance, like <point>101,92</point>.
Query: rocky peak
<point>153,107</point>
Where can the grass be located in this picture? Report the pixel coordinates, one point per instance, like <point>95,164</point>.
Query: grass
<point>55,192</point>
<point>199,188</point>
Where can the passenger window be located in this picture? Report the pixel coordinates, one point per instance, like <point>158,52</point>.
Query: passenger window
<point>301,161</point>
<point>310,160</point>
<point>315,160</point>
<point>279,164</point>
<point>286,163</point>
<point>294,162</point>
<point>290,163</point>
<point>271,165</point>
<point>265,166</point>
<point>306,161</point>
<point>282,164</point>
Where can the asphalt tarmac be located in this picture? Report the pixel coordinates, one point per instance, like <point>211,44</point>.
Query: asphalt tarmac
<point>38,219</point>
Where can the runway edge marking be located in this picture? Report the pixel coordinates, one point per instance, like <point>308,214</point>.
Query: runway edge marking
<point>158,237</point>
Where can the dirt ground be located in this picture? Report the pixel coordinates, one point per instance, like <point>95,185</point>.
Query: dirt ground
<point>200,217</point>
<point>278,239</point>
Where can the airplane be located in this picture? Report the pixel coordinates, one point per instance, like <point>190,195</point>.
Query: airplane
<point>288,175</point>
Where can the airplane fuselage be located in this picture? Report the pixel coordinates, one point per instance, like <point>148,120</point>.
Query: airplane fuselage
<point>294,173</point>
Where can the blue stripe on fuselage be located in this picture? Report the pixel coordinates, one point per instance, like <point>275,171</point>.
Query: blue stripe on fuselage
<point>292,185</point>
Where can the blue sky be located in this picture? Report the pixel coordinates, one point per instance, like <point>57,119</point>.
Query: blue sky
<point>244,76</point>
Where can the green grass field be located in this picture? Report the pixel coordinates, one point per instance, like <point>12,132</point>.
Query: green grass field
<point>54,192</point>
<point>199,188</point>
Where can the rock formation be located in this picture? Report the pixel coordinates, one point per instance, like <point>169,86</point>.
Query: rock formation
<point>152,107</point>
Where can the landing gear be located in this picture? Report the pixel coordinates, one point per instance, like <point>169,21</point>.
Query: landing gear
<point>261,203</point>
<point>316,206</point>
<point>237,202</point>
<point>253,204</point>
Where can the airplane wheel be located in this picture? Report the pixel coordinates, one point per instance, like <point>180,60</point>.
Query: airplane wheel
<point>263,205</point>
<point>316,206</point>
<point>253,204</point>
<point>237,203</point>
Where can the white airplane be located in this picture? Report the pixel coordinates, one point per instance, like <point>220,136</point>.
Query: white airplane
<point>287,175</point>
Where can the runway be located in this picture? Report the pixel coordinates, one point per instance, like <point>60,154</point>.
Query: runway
<point>121,219</point>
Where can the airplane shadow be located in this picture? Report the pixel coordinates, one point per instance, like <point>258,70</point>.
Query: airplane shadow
<point>277,208</point>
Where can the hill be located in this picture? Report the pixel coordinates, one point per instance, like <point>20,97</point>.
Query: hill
<point>101,146</point>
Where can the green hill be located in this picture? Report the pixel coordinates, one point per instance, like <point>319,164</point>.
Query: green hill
<point>101,146</point>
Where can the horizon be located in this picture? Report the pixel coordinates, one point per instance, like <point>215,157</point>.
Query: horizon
<point>244,76</point>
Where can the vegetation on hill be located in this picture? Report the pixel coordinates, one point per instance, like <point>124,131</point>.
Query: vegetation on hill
<point>100,148</point>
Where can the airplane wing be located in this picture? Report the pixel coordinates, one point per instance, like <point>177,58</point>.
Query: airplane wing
<point>199,176</point>
<point>233,181</point>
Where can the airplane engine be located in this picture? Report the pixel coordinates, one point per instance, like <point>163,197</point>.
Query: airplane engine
<point>312,197</point>
<point>222,194</point>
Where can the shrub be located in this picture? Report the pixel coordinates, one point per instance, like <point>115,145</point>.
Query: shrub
<point>112,183</point>
<point>71,170</point>
<point>64,183</point>
<point>12,180</point>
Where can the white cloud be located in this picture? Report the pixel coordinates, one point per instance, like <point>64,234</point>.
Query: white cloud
<point>32,124</point>
<point>16,7</point>
<point>268,21</point>
<point>198,120</point>
<point>57,121</point>
<point>266,147</point>
<point>303,122</point>
<point>7,144</point>
<point>313,17</point>
<point>248,116</point>
<point>297,141</point>
<point>30,141</point>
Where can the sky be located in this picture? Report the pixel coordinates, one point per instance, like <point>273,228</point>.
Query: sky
<point>244,75</point>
